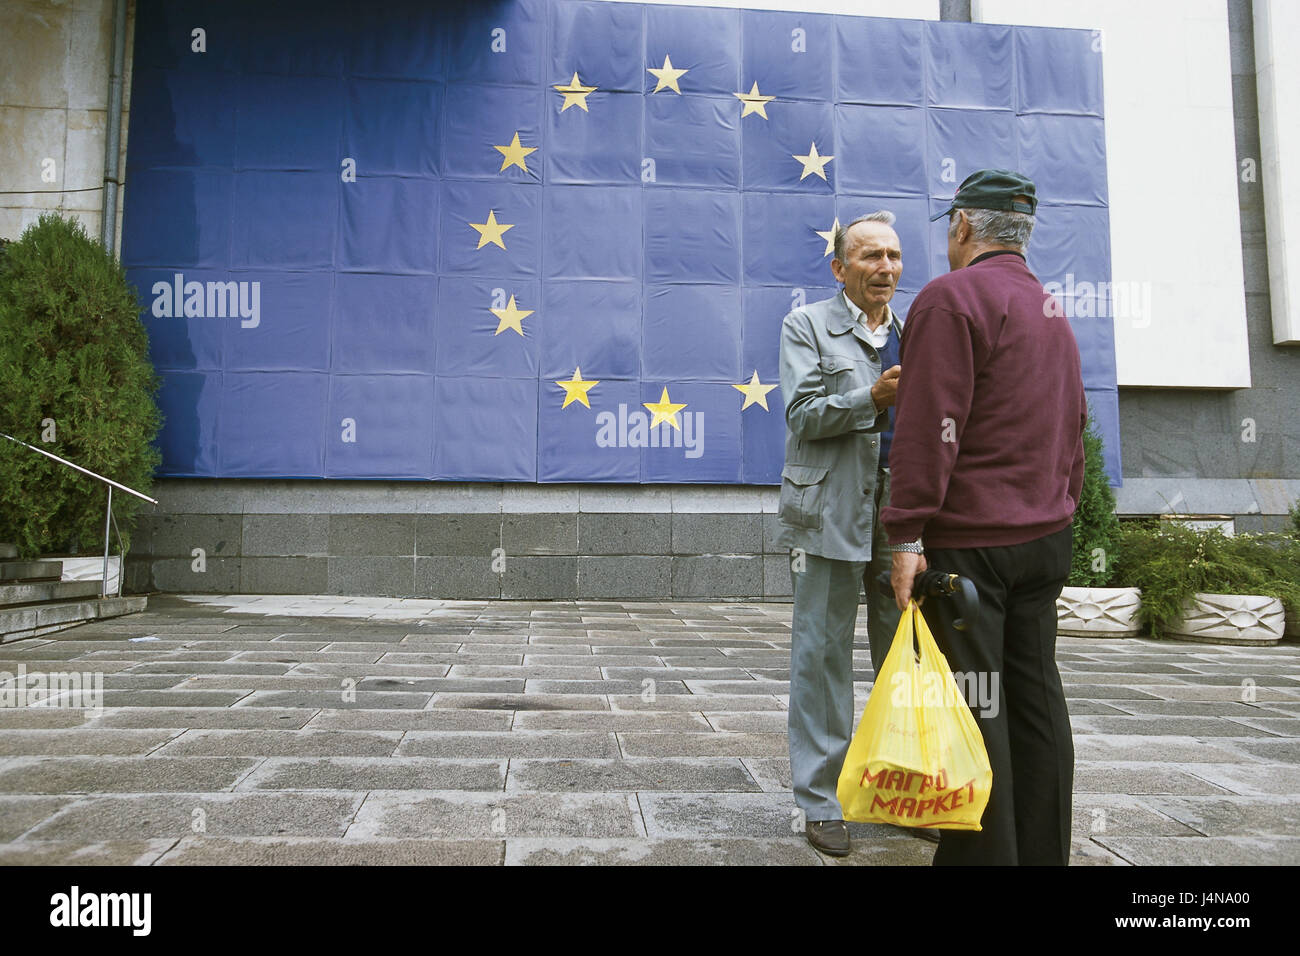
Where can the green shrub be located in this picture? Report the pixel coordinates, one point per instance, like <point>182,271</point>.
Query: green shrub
<point>1171,562</point>
<point>1096,528</point>
<point>72,351</point>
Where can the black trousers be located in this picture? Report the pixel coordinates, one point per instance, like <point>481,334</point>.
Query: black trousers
<point>1007,665</point>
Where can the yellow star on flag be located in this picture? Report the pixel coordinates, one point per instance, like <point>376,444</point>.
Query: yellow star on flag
<point>665,411</point>
<point>576,388</point>
<point>667,76</point>
<point>575,94</point>
<point>812,163</point>
<point>511,317</point>
<point>513,155</point>
<point>829,236</point>
<point>491,231</point>
<point>754,102</point>
<point>755,394</point>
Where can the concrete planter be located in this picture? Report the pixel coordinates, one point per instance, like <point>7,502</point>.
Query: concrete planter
<point>1098,612</point>
<point>91,568</point>
<point>1249,619</point>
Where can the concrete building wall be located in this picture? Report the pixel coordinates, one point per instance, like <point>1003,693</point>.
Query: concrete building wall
<point>53,109</point>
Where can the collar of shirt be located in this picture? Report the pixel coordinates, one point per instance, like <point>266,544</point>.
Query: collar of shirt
<point>879,337</point>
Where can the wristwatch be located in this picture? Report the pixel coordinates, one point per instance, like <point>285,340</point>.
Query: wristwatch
<point>911,547</point>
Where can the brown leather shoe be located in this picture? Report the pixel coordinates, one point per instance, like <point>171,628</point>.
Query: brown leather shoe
<point>829,836</point>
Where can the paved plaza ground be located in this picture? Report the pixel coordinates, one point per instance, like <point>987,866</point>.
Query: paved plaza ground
<point>306,729</point>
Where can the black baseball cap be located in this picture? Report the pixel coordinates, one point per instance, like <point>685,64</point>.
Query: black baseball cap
<point>999,189</point>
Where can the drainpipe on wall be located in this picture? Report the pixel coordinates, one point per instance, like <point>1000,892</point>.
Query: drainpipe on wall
<point>113,141</point>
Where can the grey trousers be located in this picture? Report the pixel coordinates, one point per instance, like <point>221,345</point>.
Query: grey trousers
<point>820,723</point>
<point>821,680</point>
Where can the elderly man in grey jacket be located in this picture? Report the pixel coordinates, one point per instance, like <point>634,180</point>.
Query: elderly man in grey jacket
<point>839,379</point>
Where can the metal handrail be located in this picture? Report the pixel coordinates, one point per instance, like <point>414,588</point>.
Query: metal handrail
<point>108,516</point>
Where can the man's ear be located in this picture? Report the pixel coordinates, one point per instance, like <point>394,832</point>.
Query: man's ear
<point>837,270</point>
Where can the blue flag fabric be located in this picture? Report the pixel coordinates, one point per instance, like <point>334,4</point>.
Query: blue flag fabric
<point>553,240</point>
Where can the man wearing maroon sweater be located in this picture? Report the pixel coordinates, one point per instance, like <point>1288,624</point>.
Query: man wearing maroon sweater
<point>987,465</point>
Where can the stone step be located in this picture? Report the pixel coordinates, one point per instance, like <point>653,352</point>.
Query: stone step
<point>46,591</point>
<point>17,623</point>
<point>30,571</point>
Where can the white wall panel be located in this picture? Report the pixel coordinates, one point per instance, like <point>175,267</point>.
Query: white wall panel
<point>1278,83</point>
<point>1171,168</point>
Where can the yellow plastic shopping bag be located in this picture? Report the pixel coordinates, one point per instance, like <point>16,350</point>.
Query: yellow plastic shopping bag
<point>918,758</point>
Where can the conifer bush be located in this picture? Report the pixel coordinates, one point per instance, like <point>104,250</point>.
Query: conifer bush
<point>1096,528</point>
<point>75,380</point>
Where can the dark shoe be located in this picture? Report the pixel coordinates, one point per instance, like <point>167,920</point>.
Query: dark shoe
<point>921,833</point>
<point>829,836</point>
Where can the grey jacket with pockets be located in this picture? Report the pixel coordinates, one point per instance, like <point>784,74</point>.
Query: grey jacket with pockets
<point>832,440</point>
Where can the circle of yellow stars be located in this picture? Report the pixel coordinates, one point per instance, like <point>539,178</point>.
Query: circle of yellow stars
<point>492,232</point>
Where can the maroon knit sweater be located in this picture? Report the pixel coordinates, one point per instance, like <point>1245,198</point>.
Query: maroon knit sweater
<point>988,433</point>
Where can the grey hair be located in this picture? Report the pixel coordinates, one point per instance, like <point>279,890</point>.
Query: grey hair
<point>883,216</point>
<point>993,225</point>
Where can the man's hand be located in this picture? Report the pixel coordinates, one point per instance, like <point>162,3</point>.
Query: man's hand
<point>885,391</point>
<point>902,575</point>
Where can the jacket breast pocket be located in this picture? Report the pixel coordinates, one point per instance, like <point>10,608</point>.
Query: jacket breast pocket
<point>841,375</point>
<point>802,490</point>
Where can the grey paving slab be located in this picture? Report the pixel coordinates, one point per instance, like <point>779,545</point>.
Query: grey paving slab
<point>1218,692</point>
<point>609,721</point>
<point>428,720</point>
<point>1138,777</point>
<point>1281,726</point>
<point>151,816</point>
<point>42,718</point>
<point>172,698</point>
<point>660,688</point>
<point>1190,708</point>
<point>20,814</point>
<point>173,666</point>
<point>704,744</point>
<point>283,743</point>
<point>697,702</point>
<point>494,815</point>
<point>1206,851</point>
<point>1130,747</point>
<point>252,682</point>
<point>536,851</point>
<point>78,852</point>
<point>772,774</point>
<point>1251,779</point>
<point>715,815</point>
<point>1262,816</point>
<point>1114,814</point>
<point>632,774</point>
<point>376,773</point>
<point>198,718</point>
<point>738,687</point>
<point>516,743</point>
<point>1167,726</point>
<point>527,671</point>
<point>89,742</point>
<point>674,673</point>
<point>308,657</point>
<point>520,702</point>
<point>66,775</point>
<point>335,700</point>
<point>761,722</point>
<point>412,671</point>
<point>306,851</point>
<point>1280,750</point>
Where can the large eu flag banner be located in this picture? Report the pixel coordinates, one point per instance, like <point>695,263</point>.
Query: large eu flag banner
<point>553,240</point>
